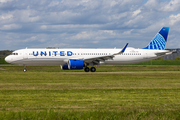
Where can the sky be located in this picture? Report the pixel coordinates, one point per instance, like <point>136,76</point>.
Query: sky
<point>86,23</point>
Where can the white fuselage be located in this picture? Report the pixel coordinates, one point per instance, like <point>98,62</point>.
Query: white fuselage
<point>60,56</point>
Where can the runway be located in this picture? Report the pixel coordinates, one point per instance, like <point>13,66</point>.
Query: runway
<point>124,72</point>
<point>142,72</point>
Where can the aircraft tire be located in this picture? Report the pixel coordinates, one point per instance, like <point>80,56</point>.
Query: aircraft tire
<point>93,69</point>
<point>86,69</point>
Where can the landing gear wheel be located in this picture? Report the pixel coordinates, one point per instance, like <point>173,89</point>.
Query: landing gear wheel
<point>86,69</point>
<point>93,69</point>
<point>24,70</point>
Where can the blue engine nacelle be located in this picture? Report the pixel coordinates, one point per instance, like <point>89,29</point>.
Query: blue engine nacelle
<point>75,64</point>
<point>64,67</point>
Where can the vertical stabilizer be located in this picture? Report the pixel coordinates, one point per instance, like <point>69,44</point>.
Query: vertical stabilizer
<point>159,41</point>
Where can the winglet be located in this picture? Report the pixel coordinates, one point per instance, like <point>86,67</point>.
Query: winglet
<point>123,50</point>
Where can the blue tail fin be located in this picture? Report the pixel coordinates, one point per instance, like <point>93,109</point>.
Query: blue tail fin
<point>159,41</point>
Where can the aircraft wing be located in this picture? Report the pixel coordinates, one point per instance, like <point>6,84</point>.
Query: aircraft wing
<point>96,60</point>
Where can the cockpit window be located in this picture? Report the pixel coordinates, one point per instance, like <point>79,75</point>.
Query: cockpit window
<point>14,53</point>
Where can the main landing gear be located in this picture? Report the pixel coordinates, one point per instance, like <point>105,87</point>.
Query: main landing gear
<point>93,69</point>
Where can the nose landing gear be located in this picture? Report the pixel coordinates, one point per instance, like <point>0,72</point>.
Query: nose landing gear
<point>25,68</point>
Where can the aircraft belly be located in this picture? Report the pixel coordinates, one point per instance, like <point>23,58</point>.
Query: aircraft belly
<point>40,61</point>
<point>125,60</point>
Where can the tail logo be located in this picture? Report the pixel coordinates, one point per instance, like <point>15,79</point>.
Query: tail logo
<point>159,41</point>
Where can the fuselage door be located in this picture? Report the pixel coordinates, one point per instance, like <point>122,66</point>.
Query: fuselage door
<point>25,54</point>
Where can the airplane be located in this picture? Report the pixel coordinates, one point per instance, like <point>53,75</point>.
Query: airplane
<point>77,59</point>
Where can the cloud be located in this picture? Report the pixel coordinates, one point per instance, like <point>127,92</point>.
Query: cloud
<point>174,19</point>
<point>4,1</point>
<point>173,5</point>
<point>86,23</point>
<point>10,27</point>
<point>6,17</point>
<point>135,13</point>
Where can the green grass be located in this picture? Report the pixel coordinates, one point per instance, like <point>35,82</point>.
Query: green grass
<point>78,95</point>
<point>2,61</point>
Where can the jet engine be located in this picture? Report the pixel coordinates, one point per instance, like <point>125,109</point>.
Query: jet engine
<point>64,67</point>
<point>74,64</point>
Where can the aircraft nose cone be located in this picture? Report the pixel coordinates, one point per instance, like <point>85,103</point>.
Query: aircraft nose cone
<point>7,59</point>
